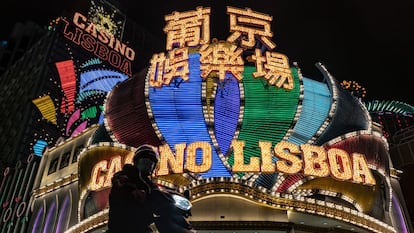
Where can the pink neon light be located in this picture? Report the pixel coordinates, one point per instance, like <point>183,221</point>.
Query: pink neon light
<point>75,116</point>
<point>80,128</point>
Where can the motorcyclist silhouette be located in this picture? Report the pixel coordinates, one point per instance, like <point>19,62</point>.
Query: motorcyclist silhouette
<point>135,202</point>
<point>129,207</point>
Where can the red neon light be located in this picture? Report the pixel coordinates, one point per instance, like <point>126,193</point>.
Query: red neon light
<point>66,70</point>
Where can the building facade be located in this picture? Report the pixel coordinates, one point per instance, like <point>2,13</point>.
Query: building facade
<point>260,146</point>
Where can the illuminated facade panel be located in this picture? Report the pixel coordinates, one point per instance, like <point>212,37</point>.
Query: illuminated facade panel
<point>314,110</point>
<point>234,124</point>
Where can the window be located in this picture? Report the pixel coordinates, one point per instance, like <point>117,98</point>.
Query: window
<point>76,154</point>
<point>64,162</point>
<point>53,165</point>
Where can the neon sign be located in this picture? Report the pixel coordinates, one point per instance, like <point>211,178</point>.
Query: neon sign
<point>190,29</point>
<point>308,159</point>
<point>103,44</point>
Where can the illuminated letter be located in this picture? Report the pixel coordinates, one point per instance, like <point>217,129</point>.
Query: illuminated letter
<point>239,163</point>
<point>103,37</point>
<point>361,170</point>
<point>206,159</point>
<point>314,158</point>
<point>97,180</point>
<point>126,67</point>
<point>67,34</point>
<point>77,37</point>
<point>287,152</point>
<point>111,41</point>
<point>88,42</point>
<point>340,164</point>
<point>91,29</point>
<point>77,20</point>
<point>114,166</point>
<point>130,54</point>
<point>168,158</point>
<point>128,158</point>
<point>114,59</point>
<point>120,47</point>
<point>102,51</point>
<point>267,163</point>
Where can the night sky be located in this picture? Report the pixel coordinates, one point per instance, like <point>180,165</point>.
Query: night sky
<point>370,42</point>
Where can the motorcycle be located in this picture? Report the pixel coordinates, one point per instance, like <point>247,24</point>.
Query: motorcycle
<point>171,211</point>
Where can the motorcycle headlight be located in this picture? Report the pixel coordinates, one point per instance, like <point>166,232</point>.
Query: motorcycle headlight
<point>181,202</point>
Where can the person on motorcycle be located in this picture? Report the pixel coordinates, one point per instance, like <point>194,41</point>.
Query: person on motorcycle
<point>130,207</point>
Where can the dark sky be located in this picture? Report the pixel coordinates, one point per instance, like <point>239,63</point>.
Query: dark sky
<point>370,42</point>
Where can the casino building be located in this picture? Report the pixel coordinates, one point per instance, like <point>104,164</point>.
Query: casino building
<point>260,146</point>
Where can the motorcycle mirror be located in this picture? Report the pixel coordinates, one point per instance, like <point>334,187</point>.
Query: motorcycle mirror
<point>186,194</point>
